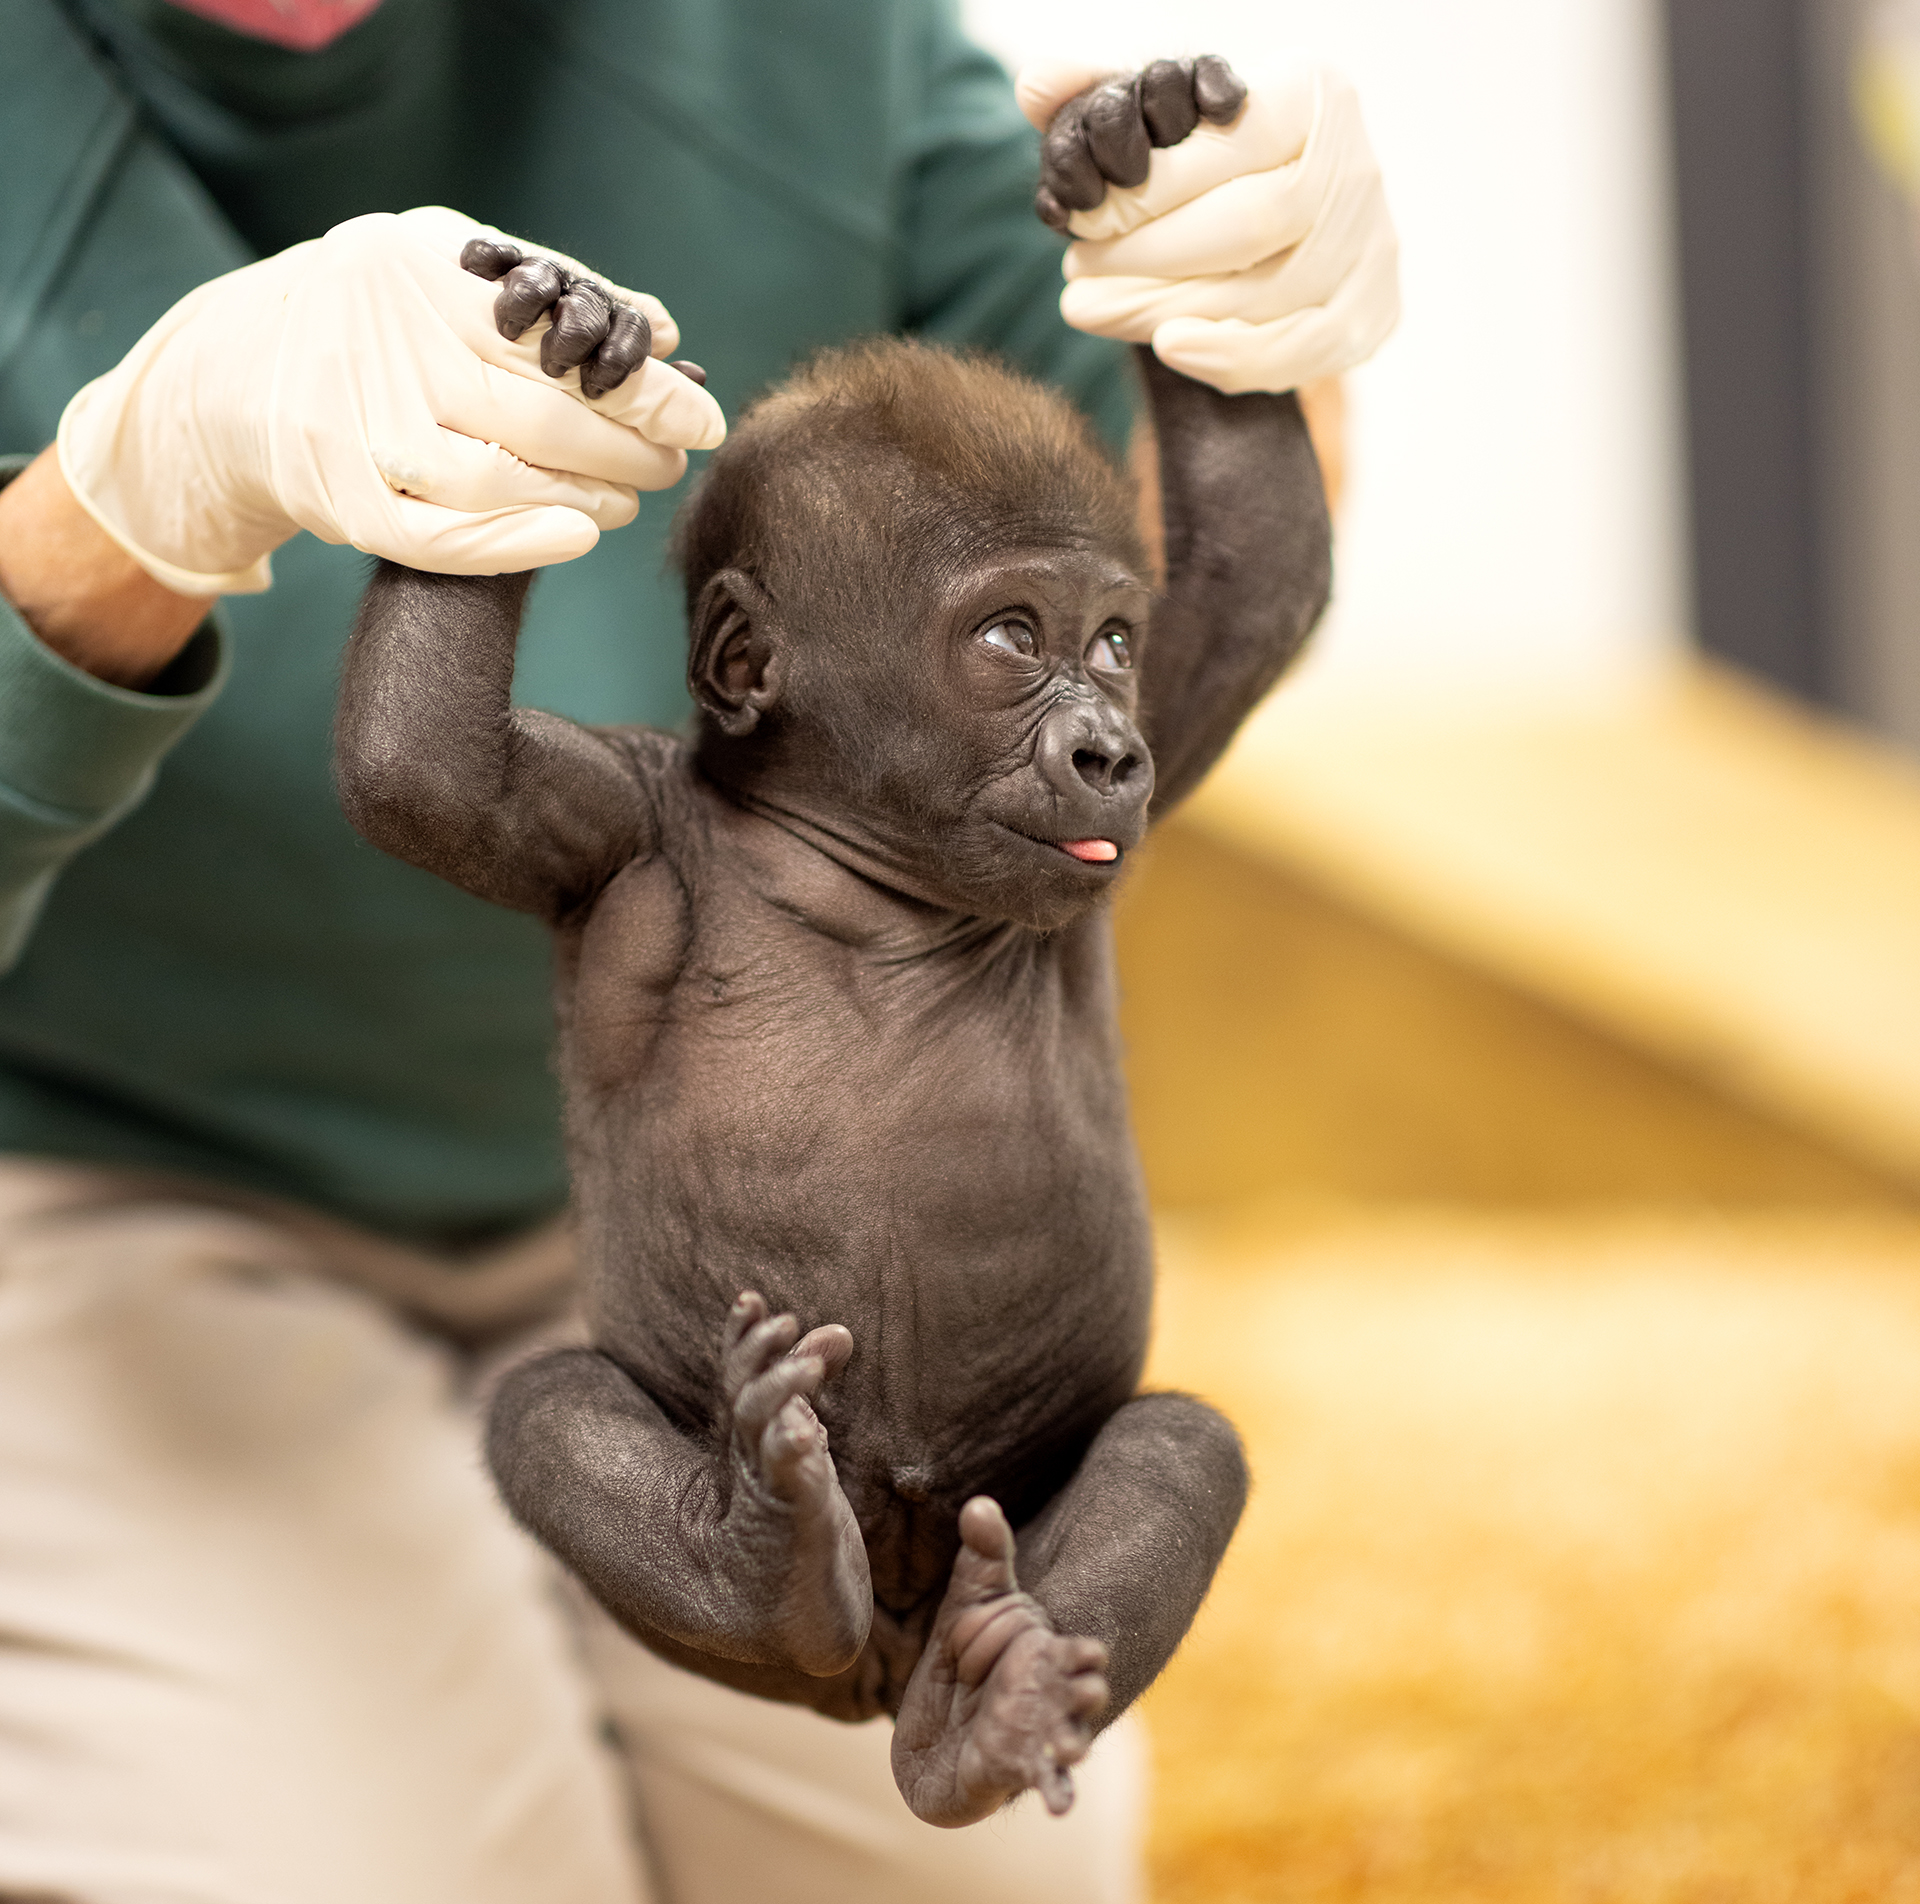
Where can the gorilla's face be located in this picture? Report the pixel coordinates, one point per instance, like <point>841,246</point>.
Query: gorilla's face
<point>984,731</point>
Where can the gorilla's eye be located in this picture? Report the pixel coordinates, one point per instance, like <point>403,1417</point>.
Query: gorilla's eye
<point>1012,637</point>
<point>1109,649</point>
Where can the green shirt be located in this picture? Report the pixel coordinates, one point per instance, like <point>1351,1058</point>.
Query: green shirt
<point>216,975</point>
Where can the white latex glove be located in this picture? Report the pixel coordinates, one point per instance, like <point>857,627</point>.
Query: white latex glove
<point>1258,255</point>
<point>356,386</point>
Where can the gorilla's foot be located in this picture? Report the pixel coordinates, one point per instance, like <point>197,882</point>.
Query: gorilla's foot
<point>999,1701</point>
<point>789,1537</point>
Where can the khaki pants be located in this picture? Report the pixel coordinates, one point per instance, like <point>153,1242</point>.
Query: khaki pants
<point>266,1636</point>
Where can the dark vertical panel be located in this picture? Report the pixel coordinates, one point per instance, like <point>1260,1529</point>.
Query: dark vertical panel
<point>1865,306</point>
<point>1738,125</point>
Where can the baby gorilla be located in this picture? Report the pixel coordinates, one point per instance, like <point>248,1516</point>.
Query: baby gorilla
<point>836,1029</point>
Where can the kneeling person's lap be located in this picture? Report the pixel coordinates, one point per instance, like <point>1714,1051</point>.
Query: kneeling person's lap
<point>267,1636</point>
<point>264,1632</point>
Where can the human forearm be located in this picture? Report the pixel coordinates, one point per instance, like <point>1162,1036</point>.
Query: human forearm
<point>79,591</point>
<point>77,751</point>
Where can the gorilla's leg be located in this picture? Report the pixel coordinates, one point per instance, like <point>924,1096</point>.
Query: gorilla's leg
<point>742,1547</point>
<point>1115,1566</point>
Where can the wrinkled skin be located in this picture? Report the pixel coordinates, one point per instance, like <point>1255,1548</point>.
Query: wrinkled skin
<point>866,1257</point>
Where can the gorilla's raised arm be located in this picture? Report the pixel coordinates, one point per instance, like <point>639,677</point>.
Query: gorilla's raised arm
<point>1248,545</point>
<point>1249,566</point>
<point>437,767</point>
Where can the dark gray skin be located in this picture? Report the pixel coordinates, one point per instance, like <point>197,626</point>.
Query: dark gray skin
<point>836,1030</point>
<point>1106,135</point>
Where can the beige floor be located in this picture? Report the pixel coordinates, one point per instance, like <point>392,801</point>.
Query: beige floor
<point>1584,1563</point>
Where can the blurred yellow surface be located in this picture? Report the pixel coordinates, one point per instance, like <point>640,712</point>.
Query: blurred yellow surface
<point>1701,873</point>
<point>1283,1039</point>
<point>1583,1563</point>
<point>1531,1100</point>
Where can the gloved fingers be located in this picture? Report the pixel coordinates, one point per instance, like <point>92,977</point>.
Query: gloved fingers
<point>447,233</point>
<point>1042,88</point>
<point>1126,309</point>
<point>1132,309</point>
<point>1271,130</point>
<point>1283,353</point>
<point>460,472</point>
<point>1236,357</point>
<point>495,542</point>
<point>547,425</point>
<point>1232,227</point>
<point>396,348</point>
<point>1307,275</point>
<point>659,402</point>
<point>667,407</point>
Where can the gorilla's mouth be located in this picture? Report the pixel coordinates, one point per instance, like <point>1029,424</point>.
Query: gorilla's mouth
<point>1095,862</point>
<point>1098,854</point>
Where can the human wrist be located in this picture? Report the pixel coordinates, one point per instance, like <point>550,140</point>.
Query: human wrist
<point>79,591</point>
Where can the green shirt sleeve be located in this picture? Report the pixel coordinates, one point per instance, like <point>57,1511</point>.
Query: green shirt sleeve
<point>78,754</point>
<point>979,267</point>
<point>106,229</point>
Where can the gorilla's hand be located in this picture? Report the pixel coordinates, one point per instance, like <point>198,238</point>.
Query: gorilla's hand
<point>1242,233</point>
<point>589,328</point>
<point>1107,135</point>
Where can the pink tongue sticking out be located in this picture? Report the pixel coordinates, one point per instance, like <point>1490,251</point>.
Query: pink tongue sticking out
<point>1090,849</point>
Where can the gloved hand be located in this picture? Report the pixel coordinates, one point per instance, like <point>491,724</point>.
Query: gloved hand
<point>356,386</point>
<point>1249,244</point>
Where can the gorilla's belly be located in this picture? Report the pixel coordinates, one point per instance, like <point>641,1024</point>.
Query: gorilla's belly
<point>969,1208</point>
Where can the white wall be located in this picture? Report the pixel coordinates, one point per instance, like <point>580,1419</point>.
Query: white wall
<point>1512,521</point>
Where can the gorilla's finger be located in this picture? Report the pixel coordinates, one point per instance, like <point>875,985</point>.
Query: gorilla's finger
<point>626,346</point>
<point>1049,210</point>
<point>1166,101</point>
<point>1116,133</point>
<point>1067,169</point>
<point>1217,89</point>
<point>489,258</point>
<point>749,1311</point>
<point>764,1397</point>
<point>692,370</point>
<point>525,293</point>
<point>580,320</point>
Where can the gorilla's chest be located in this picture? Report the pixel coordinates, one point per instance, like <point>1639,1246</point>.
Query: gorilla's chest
<point>920,1133</point>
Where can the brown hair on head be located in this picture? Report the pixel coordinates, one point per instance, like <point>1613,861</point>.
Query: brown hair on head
<point>888,452</point>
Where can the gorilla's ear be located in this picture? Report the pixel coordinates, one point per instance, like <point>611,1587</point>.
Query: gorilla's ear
<point>734,652</point>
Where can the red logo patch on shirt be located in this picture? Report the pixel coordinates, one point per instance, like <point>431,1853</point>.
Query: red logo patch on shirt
<point>304,25</point>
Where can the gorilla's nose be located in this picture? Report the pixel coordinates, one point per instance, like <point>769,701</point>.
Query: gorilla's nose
<point>1103,769</point>
<point>1095,748</point>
